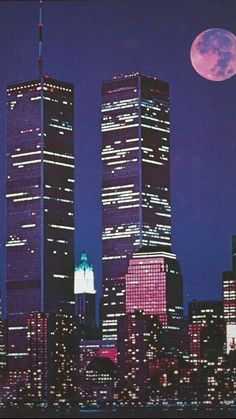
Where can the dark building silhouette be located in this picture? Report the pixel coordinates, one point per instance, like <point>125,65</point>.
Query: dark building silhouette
<point>206,329</point>
<point>138,344</point>
<point>101,379</point>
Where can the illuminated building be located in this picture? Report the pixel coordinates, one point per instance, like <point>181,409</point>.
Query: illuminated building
<point>231,337</point>
<point>138,340</point>
<point>108,349</point>
<point>53,351</point>
<point>101,377</point>
<point>154,285</point>
<point>84,292</point>
<point>213,371</point>
<point>206,329</point>
<point>88,350</point>
<point>136,181</point>
<point>40,205</point>
<point>229,299</point>
<point>169,379</point>
<point>3,358</point>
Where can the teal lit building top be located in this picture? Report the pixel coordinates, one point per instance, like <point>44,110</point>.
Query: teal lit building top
<point>84,276</point>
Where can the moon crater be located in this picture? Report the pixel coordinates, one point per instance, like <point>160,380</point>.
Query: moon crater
<point>213,54</point>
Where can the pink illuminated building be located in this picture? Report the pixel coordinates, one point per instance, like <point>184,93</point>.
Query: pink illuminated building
<point>154,286</point>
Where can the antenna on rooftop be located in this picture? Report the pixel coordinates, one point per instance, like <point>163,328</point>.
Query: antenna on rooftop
<point>40,39</point>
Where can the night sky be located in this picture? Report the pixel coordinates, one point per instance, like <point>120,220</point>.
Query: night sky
<point>86,42</point>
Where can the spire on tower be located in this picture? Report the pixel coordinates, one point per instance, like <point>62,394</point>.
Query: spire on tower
<point>40,39</point>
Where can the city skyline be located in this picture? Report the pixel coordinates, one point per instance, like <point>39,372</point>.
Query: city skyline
<point>196,233</point>
<point>149,203</point>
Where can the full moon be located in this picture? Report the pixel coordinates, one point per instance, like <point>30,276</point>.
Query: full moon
<point>213,54</point>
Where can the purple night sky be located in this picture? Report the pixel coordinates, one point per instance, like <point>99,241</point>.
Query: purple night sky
<point>86,42</point>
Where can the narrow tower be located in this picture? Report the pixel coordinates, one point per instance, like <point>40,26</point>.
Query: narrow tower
<point>229,301</point>
<point>40,203</point>
<point>85,292</point>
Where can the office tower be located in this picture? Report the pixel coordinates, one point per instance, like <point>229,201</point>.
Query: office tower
<point>101,378</point>
<point>53,350</point>
<point>229,300</point>
<point>40,205</point>
<point>229,289</point>
<point>138,344</point>
<point>84,292</point>
<point>207,344</point>
<point>229,296</point>
<point>89,353</point>
<point>169,380</point>
<point>154,285</point>
<point>206,329</point>
<point>108,349</point>
<point>136,181</point>
<point>3,358</point>
<point>89,350</point>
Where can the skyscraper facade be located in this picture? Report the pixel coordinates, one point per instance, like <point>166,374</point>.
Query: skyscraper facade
<point>53,350</point>
<point>40,204</point>
<point>138,341</point>
<point>229,289</point>
<point>229,300</point>
<point>3,358</point>
<point>203,316</point>
<point>154,285</point>
<point>136,181</point>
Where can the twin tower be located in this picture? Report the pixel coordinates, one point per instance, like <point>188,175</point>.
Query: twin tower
<point>40,202</point>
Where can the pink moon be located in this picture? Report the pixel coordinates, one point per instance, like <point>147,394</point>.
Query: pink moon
<point>213,54</point>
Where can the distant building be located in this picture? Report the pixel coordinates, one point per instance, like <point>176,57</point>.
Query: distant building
<point>206,329</point>
<point>138,344</point>
<point>89,350</point>
<point>85,292</point>
<point>53,351</point>
<point>3,355</point>
<point>169,380</point>
<point>136,181</point>
<point>229,299</point>
<point>101,379</point>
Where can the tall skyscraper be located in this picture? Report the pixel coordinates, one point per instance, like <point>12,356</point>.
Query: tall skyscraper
<point>229,300</point>
<point>85,292</point>
<point>40,205</point>
<point>2,344</point>
<point>136,181</point>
